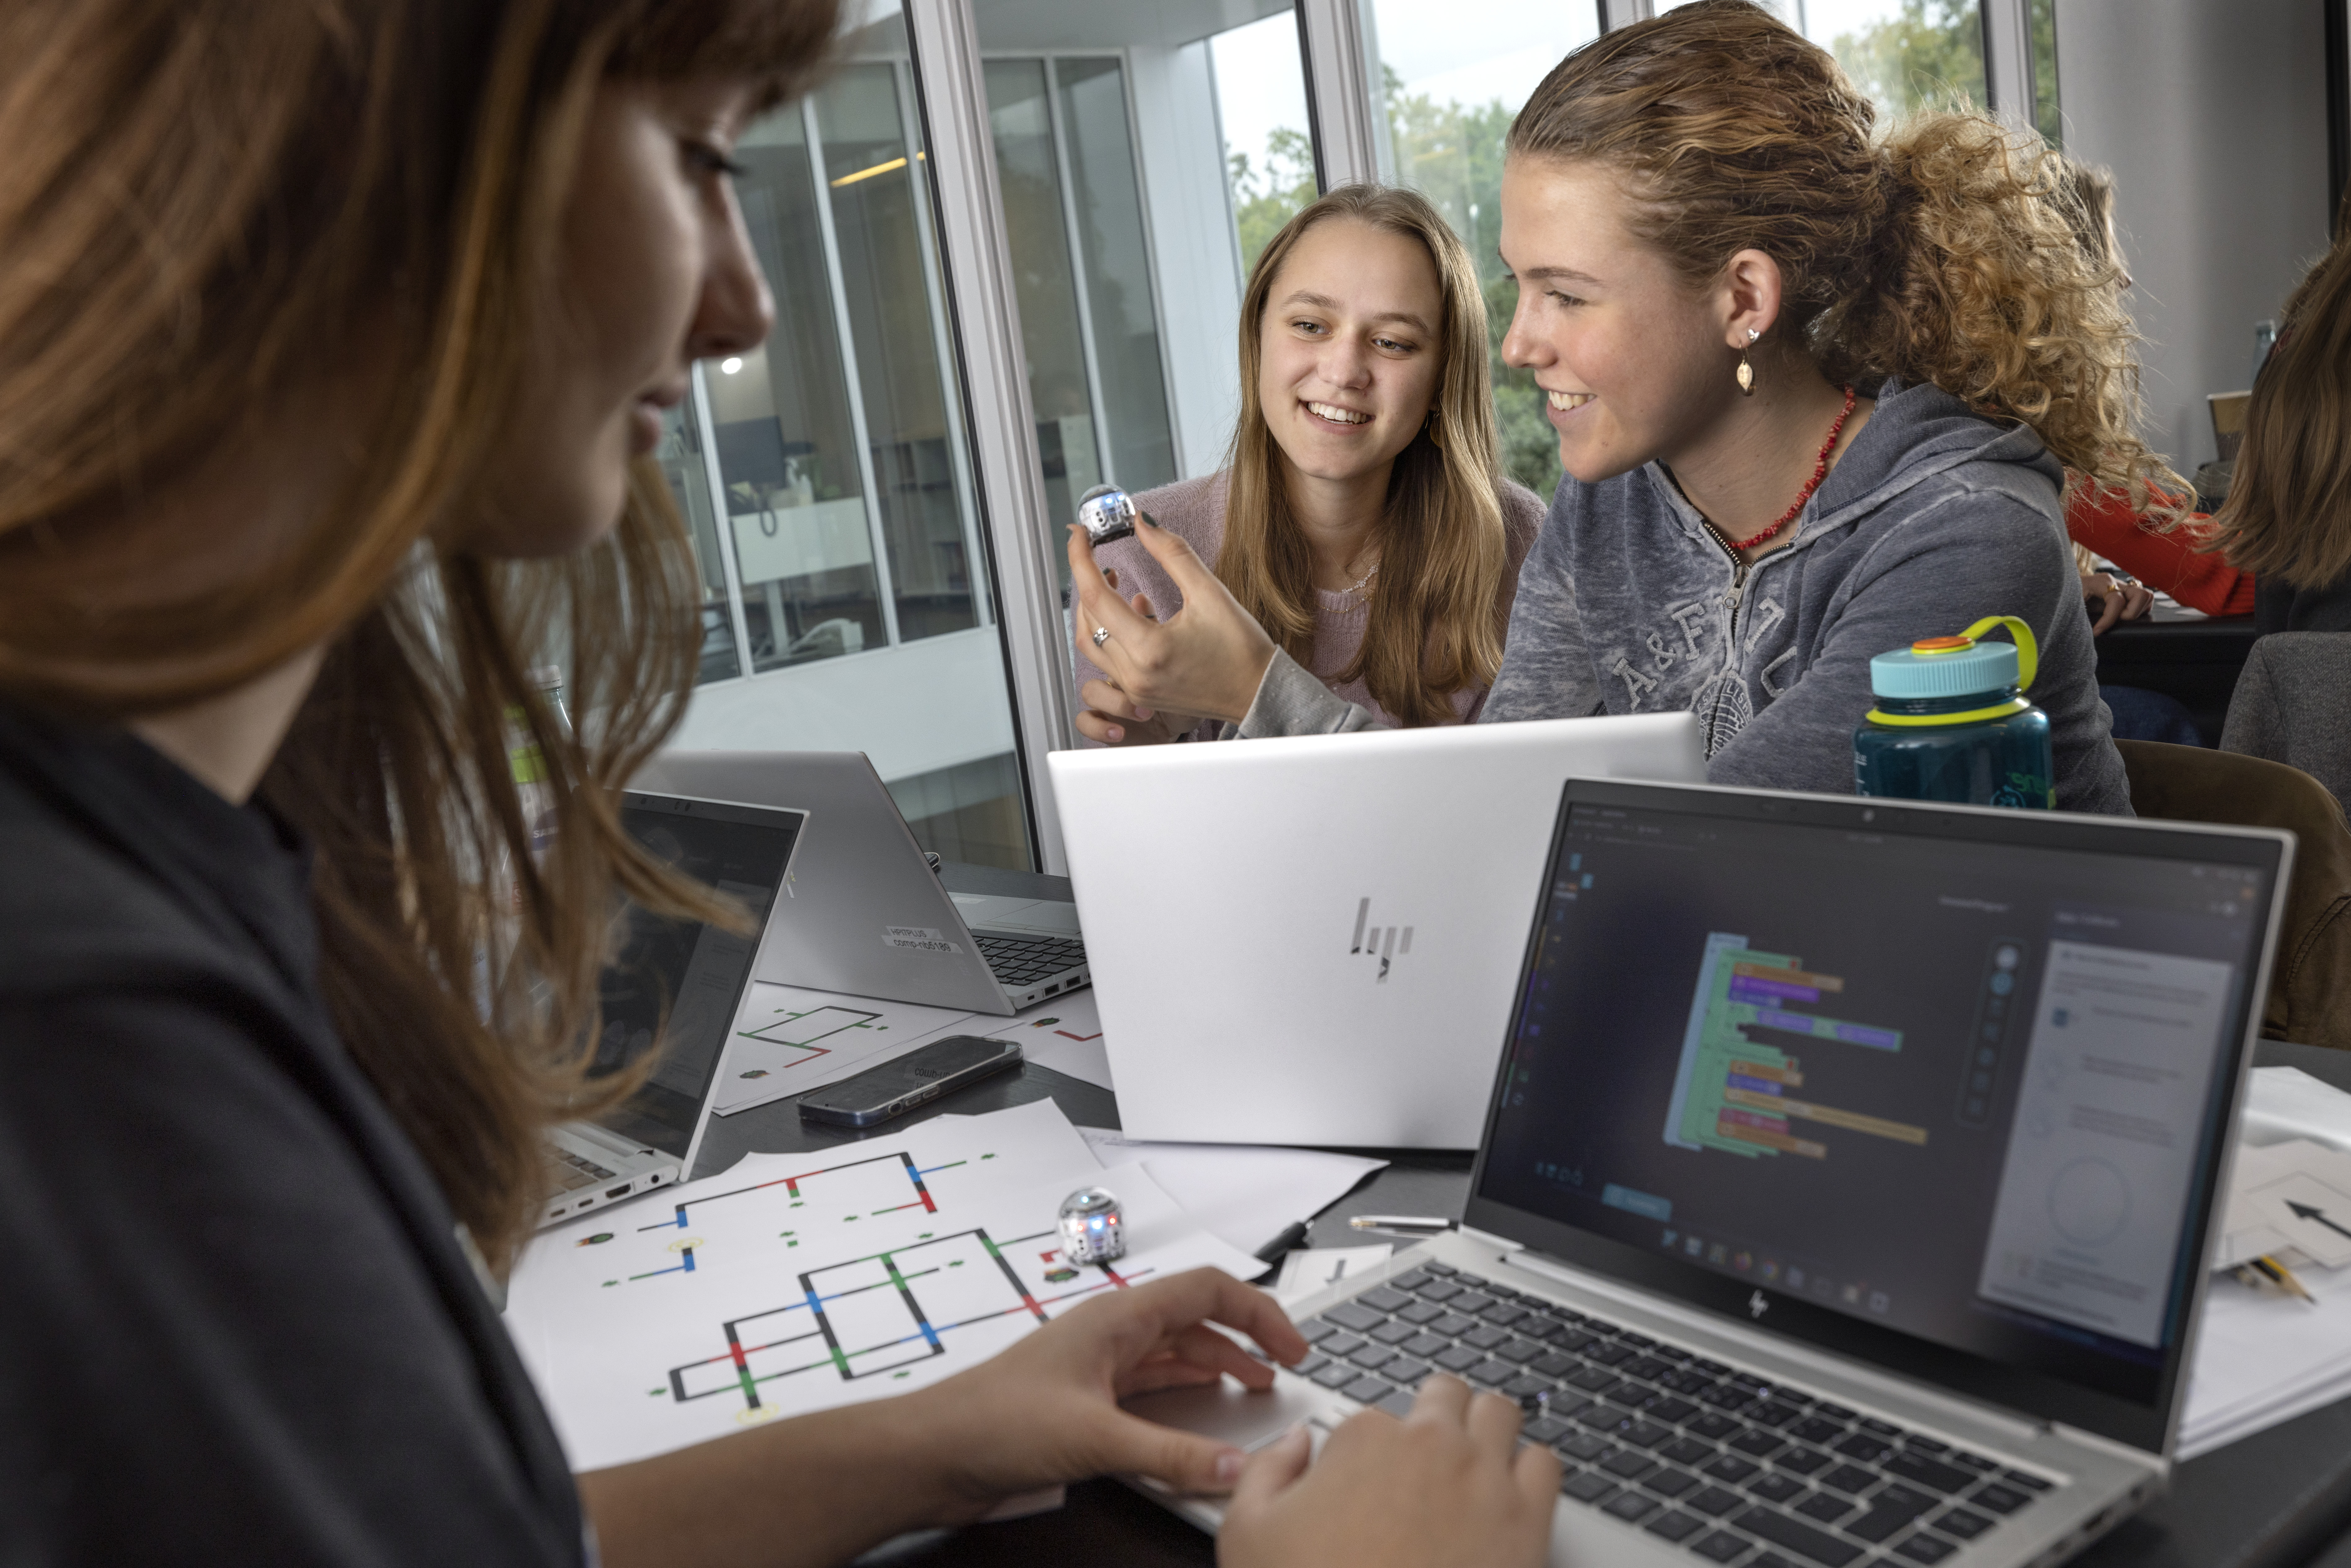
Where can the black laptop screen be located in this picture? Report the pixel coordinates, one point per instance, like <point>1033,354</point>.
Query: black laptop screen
<point>681,982</point>
<point>1955,1085</point>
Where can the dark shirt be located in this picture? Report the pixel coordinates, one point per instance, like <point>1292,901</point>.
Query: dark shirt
<point>2279,606</point>
<point>236,1325</point>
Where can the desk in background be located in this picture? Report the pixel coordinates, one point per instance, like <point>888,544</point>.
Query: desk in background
<point>2277,1499</point>
<point>2195,661</point>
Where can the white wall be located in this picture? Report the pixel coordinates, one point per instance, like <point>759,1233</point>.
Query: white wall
<point>2213,117</point>
<point>914,708</point>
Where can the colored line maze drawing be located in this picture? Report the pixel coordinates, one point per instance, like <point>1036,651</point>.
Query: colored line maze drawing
<point>802,1030</point>
<point>877,1181</point>
<point>863,1318</point>
<point>902,1161</point>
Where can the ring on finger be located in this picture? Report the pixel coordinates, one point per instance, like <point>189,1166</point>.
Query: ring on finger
<point>1101,636</point>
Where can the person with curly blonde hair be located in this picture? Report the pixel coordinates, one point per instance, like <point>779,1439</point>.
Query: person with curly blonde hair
<point>1817,395</point>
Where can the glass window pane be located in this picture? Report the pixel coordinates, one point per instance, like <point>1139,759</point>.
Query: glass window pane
<point>1453,74</point>
<point>1907,54</point>
<point>1268,146</point>
<point>787,441</point>
<point>1028,172</point>
<point>1144,152</point>
<point>837,454</point>
<point>1106,200</point>
<point>680,455</point>
<point>889,280</point>
<point>2047,116</point>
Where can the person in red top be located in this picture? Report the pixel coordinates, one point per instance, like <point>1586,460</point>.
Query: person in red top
<point>2103,522</point>
<point>2107,525</point>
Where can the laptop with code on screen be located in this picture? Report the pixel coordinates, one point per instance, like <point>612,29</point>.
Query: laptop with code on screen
<point>1846,1187</point>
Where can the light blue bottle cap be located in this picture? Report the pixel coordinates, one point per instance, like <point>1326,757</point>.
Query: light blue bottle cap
<point>1944,667</point>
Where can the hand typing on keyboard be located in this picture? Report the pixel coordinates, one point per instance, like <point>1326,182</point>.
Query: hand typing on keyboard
<point>1447,1485</point>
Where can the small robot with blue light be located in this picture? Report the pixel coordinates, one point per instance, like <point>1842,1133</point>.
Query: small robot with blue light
<point>1091,1231</point>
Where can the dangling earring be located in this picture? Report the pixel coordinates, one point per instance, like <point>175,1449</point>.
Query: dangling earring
<point>1746,371</point>
<point>1429,428</point>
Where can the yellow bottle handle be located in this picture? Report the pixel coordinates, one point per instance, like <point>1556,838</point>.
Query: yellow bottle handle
<point>2028,652</point>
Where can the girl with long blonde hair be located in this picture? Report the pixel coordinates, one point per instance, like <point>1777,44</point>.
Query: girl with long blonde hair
<point>1354,560</point>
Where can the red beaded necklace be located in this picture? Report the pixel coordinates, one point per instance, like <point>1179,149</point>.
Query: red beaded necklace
<point>1820,472</point>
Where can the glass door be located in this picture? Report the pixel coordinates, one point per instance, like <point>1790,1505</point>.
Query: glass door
<point>828,480</point>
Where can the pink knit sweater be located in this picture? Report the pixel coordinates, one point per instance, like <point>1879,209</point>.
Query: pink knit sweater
<point>1193,510</point>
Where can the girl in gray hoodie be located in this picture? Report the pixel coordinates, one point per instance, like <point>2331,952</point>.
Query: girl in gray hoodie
<point>1816,396</point>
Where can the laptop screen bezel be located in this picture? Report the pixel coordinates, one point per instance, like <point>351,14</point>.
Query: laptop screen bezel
<point>771,817</point>
<point>1795,1317</point>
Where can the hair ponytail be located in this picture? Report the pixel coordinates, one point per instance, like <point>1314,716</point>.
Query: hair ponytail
<point>1944,253</point>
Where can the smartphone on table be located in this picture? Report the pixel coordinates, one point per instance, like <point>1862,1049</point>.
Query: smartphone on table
<point>902,1084</point>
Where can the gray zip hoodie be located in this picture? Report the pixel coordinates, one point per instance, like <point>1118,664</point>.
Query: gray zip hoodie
<point>1934,518</point>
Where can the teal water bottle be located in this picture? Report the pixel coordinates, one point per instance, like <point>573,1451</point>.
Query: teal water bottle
<point>1952,724</point>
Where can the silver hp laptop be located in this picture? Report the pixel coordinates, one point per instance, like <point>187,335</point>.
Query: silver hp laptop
<point>679,983</point>
<point>1312,940</point>
<point>863,911</point>
<point>1847,1183</point>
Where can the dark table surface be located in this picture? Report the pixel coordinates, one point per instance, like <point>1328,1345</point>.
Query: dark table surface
<point>2278,1499</point>
<point>2195,661</point>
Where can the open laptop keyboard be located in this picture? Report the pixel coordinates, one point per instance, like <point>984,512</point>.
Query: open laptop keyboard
<point>562,1171</point>
<point>1729,1467</point>
<point>1020,962</point>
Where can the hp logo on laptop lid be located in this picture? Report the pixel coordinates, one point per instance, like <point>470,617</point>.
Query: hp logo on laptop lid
<point>1385,943</point>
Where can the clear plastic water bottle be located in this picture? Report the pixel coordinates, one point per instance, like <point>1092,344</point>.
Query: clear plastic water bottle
<point>1952,723</point>
<point>534,788</point>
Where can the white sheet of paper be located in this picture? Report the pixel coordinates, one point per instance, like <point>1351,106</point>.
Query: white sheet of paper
<point>788,1038</point>
<point>1246,1194</point>
<point>1308,1269</point>
<point>1064,1034</point>
<point>2286,1103</point>
<point>798,1282</point>
<point>2263,1358</point>
<point>2296,1195</point>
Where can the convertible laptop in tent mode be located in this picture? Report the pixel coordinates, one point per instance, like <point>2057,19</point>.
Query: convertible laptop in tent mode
<point>863,911</point>
<point>1312,940</point>
<point>1847,1184</point>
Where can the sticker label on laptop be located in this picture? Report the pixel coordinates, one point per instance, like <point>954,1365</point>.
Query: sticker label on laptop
<point>921,938</point>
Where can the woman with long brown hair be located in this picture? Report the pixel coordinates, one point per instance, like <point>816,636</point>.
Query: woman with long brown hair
<point>1816,394</point>
<point>2288,515</point>
<point>1363,544</point>
<point>334,341</point>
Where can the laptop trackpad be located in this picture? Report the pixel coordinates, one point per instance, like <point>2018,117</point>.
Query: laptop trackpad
<point>1043,917</point>
<point>1227,1412</point>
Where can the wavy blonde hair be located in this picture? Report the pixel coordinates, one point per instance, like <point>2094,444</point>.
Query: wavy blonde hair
<point>1943,253</point>
<point>205,201</point>
<point>1436,626</point>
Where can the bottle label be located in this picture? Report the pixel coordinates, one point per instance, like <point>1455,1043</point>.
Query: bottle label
<point>2026,792</point>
